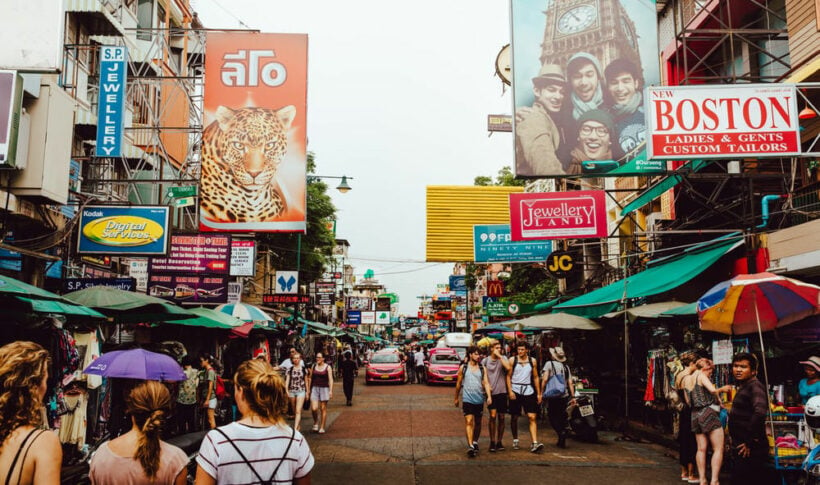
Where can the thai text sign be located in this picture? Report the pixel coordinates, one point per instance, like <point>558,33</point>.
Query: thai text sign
<point>111,103</point>
<point>188,288</point>
<point>195,254</point>
<point>727,121</point>
<point>123,230</point>
<point>254,154</point>
<point>492,243</point>
<point>558,215</point>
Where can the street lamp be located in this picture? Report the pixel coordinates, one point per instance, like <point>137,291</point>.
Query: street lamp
<point>343,186</point>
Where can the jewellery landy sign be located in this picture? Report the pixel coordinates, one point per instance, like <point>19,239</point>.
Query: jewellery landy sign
<point>558,215</point>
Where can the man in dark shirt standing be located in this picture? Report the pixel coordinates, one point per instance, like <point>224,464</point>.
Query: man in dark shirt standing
<point>349,370</point>
<point>747,423</point>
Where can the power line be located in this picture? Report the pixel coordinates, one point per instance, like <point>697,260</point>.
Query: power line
<point>241,22</point>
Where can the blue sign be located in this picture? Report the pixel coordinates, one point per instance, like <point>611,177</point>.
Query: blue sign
<point>354,318</point>
<point>122,230</point>
<point>458,284</point>
<point>493,244</point>
<point>488,299</point>
<point>111,101</point>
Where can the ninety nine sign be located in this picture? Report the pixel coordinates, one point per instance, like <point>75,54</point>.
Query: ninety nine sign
<point>558,215</point>
<point>285,298</point>
<point>730,121</point>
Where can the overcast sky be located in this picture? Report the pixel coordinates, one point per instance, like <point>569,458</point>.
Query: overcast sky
<point>398,98</point>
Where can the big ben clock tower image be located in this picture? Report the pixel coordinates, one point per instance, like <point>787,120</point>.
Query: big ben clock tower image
<point>599,27</point>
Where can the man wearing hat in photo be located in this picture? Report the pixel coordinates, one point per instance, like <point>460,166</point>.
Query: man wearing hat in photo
<point>557,406</point>
<point>809,386</point>
<point>539,131</point>
<point>595,129</point>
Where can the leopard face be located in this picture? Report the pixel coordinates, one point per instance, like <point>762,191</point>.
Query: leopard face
<point>241,152</point>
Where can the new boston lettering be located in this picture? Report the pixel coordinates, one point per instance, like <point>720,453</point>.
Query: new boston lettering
<point>111,103</point>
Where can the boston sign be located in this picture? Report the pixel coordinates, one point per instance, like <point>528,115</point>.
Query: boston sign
<point>732,121</point>
<point>558,215</point>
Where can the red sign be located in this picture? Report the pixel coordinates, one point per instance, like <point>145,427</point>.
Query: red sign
<point>444,315</point>
<point>495,288</point>
<point>285,298</point>
<point>731,121</point>
<point>558,215</point>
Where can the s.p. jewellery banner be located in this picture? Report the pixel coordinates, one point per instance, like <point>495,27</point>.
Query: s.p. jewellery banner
<point>254,143</point>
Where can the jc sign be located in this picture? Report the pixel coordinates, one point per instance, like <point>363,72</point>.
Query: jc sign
<point>560,263</point>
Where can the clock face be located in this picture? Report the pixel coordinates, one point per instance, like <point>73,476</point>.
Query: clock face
<point>630,36</point>
<point>577,19</point>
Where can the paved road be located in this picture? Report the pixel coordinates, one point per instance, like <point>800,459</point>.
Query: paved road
<point>412,434</point>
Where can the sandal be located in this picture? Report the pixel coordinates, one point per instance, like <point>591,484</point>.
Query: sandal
<point>322,431</point>
<point>315,428</point>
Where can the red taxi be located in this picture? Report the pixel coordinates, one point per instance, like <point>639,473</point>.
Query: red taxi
<point>385,366</point>
<point>442,368</point>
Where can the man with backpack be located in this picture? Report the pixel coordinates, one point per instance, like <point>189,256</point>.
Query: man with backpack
<point>498,366</point>
<point>473,388</point>
<point>558,391</point>
<point>525,394</point>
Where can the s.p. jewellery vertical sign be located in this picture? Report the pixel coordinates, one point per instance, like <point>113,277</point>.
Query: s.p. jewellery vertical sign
<point>111,102</point>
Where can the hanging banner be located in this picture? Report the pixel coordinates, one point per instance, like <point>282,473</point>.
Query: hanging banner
<point>729,121</point>
<point>558,215</point>
<point>111,101</point>
<point>579,72</point>
<point>243,257</point>
<point>195,254</point>
<point>254,143</point>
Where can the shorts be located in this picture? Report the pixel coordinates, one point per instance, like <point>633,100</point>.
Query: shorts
<point>705,420</point>
<point>320,394</point>
<point>475,409</point>
<point>528,403</point>
<point>499,403</point>
<point>212,403</point>
<point>296,393</point>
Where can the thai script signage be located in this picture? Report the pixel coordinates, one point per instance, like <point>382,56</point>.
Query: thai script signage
<point>123,230</point>
<point>111,102</point>
<point>558,215</point>
<point>731,121</point>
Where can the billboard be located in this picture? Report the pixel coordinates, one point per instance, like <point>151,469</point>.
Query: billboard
<point>243,257</point>
<point>492,243</point>
<point>180,288</point>
<point>579,70</point>
<point>452,211</point>
<point>558,215</point>
<point>111,106</point>
<point>135,230</point>
<point>254,139</point>
<point>195,254</point>
<point>729,121</point>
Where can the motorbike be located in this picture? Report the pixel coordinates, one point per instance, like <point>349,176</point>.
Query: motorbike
<point>77,474</point>
<point>582,420</point>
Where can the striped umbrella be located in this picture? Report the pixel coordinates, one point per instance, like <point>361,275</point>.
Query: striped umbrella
<point>244,312</point>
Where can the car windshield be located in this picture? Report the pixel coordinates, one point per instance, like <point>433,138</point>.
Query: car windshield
<point>444,359</point>
<point>391,358</point>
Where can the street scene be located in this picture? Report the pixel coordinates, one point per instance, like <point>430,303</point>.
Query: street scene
<point>528,241</point>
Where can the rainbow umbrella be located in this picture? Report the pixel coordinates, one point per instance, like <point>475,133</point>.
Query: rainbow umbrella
<point>757,302</point>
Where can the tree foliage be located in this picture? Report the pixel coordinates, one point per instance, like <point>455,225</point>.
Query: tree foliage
<point>504,178</point>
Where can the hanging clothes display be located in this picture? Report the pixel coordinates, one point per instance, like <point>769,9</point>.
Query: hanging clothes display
<point>73,422</point>
<point>659,375</point>
<point>88,349</point>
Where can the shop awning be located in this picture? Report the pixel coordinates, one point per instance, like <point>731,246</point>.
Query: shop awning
<point>690,309</point>
<point>662,275</point>
<point>100,20</point>
<point>656,190</point>
<point>546,306</point>
<point>649,310</point>
<point>58,307</point>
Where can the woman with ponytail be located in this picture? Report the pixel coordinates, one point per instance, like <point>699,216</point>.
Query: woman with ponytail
<point>139,456</point>
<point>260,447</point>
<point>28,454</point>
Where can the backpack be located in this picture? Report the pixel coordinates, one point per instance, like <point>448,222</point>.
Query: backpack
<point>464,368</point>
<point>556,385</point>
<point>219,388</point>
<point>532,363</point>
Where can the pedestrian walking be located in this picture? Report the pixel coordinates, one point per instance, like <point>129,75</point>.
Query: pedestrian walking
<point>497,367</point>
<point>525,394</point>
<point>702,397</point>
<point>260,447</point>
<point>321,391</point>
<point>140,457</point>
<point>410,366</point>
<point>557,405</point>
<point>686,438</point>
<point>207,389</point>
<point>747,428</point>
<point>28,454</point>
<point>186,398</point>
<point>349,370</point>
<point>421,374</point>
<point>473,388</point>
<point>297,383</point>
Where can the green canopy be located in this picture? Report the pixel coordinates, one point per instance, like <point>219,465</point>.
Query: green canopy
<point>660,276</point>
<point>60,307</point>
<point>547,305</point>
<point>665,184</point>
<point>689,309</point>
<point>13,287</point>
<point>209,318</point>
<point>25,300</point>
<point>128,306</point>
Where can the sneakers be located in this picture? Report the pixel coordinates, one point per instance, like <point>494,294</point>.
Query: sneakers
<point>536,447</point>
<point>472,451</point>
<point>492,446</point>
<point>499,447</point>
<point>515,443</point>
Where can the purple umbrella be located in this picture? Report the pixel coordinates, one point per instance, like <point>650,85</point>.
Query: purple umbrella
<point>136,364</point>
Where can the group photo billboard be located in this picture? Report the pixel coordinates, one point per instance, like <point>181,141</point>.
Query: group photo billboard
<point>579,73</point>
<point>729,121</point>
<point>254,139</point>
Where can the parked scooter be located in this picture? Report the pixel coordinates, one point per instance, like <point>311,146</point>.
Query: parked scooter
<point>582,419</point>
